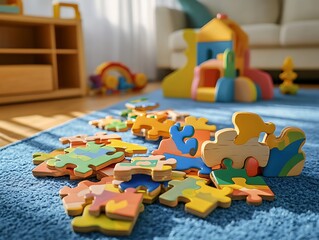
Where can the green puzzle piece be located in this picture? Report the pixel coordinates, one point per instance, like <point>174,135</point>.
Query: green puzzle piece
<point>83,159</point>
<point>171,196</point>
<point>117,125</point>
<point>224,176</point>
<point>40,157</point>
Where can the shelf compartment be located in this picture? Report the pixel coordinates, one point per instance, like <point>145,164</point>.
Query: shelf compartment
<point>65,37</point>
<point>68,71</point>
<point>25,79</point>
<point>25,36</point>
<point>18,59</point>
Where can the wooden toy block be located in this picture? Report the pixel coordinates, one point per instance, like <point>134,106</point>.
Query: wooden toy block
<point>156,166</point>
<point>122,206</point>
<point>286,155</point>
<point>40,157</point>
<point>200,199</point>
<point>103,224</point>
<point>199,124</point>
<point>179,135</point>
<point>224,176</point>
<point>110,124</point>
<point>249,125</point>
<point>143,182</point>
<point>155,129</point>
<point>254,194</point>
<point>128,148</point>
<point>142,104</point>
<point>74,198</point>
<point>224,146</point>
<point>86,159</point>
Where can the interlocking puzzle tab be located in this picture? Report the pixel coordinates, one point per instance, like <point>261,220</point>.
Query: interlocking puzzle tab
<point>156,166</point>
<point>128,148</point>
<point>200,199</point>
<point>186,147</point>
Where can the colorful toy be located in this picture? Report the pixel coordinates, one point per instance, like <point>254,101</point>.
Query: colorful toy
<point>106,81</point>
<point>156,166</point>
<point>154,128</point>
<point>81,140</point>
<point>182,77</point>
<point>86,159</point>
<point>110,124</point>
<point>186,147</point>
<point>128,148</point>
<point>141,104</point>
<point>122,206</point>
<point>286,157</point>
<point>222,72</point>
<point>40,157</point>
<point>240,143</point>
<point>74,198</point>
<point>200,199</point>
<point>11,6</point>
<point>288,76</point>
<point>102,223</point>
<point>199,123</point>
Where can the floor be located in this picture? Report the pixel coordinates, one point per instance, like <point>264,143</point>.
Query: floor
<point>18,121</point>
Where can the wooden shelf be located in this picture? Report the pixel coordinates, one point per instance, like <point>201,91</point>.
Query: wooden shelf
<point>66,51</point>
<point>26,51</point>
<point>45,54</point>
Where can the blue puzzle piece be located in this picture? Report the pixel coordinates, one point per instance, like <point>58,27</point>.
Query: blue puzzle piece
<point>278,159</point>
<point>187,163</point>
<point>142,180</point>
<point>191,145</point>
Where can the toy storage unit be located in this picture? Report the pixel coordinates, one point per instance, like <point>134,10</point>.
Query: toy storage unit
<point>40,58</point>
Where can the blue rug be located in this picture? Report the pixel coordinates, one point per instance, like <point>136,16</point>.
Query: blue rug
<point>32,209</point>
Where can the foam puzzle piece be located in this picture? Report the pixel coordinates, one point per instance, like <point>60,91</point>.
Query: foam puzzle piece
<point>254,194</point>
<point>223,146</point>
<point>155,129</point>
<point>102,223</point>
<point>286,155</point>
<point>144,182</point>
<point>186,147</point>
<point>156,166</point>
<point>111,124</point>
<point>199,124</point>
<point>142,104</point>
<point>86,159</point>
<point>40,157</point>
<point>122,206</point>
<point>200,199</point>
<point>225,176</point>
<point>188,164</point>
<point>105,172</point>
<point>249,126</point>
<point>74,198</point>
<point>128,148</point>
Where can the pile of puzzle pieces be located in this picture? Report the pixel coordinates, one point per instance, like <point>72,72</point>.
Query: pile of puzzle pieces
<point>187,166</point>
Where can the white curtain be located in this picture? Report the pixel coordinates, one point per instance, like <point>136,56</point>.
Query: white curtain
<point>114,30</point>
